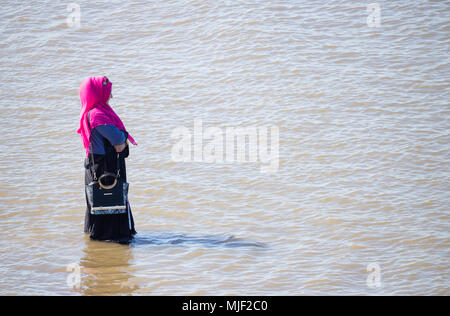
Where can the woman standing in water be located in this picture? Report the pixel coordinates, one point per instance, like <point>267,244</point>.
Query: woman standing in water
<point>104,135</point>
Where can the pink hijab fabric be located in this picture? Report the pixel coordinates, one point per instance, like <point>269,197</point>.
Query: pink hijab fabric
<point>94,96</point>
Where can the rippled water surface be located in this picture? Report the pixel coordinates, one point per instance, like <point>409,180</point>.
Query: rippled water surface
<point>363,116</point>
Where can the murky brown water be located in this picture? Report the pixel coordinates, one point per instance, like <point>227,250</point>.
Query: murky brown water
<point>363,116</point>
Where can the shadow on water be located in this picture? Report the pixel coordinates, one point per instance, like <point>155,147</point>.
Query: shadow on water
<point>210,241</point>
<point>105,267</point>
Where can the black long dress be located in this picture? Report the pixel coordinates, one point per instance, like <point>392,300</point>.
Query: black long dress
<point>114,227</point>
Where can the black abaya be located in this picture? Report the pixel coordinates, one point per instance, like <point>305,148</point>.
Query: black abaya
<point>113,227</point>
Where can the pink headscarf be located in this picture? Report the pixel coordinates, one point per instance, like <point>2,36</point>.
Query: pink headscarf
<point>94,96</point>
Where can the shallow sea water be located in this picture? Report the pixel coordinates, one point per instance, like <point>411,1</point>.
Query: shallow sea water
<point>362,186</point>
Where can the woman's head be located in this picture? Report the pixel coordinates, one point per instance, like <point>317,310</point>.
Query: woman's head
<point>95,91</point>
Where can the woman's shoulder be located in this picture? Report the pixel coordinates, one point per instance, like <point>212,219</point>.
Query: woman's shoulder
<point>98,117</point>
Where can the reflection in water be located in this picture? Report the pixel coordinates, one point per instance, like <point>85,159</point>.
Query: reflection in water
<point>105,269</point>
<point>209,241</point>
